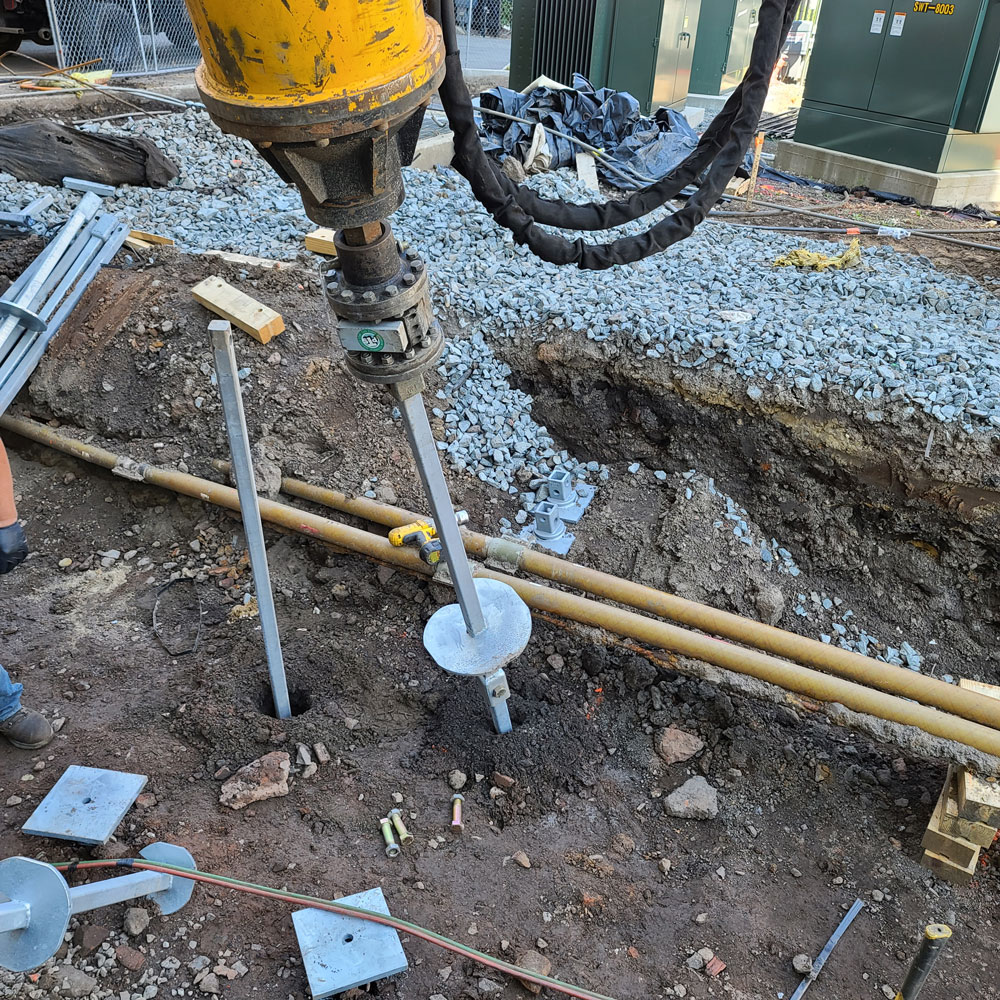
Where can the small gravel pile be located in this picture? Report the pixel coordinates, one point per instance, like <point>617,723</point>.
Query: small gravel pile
<point>489,431</point>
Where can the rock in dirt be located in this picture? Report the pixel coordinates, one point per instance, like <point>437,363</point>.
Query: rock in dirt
<point>70,982</point>
<point>622,844</point>
<point>136,921</point>
<point>457,779</point>
<point>522,859</point>
<point>802,964</point>
<point>489,986</point>
<point>695,799</point>
<point>537,963</point>
<point>210,984</point>
<point>264,778</point>
<point>89,937</point>
<point>676,746</point>
<point>665,866</point>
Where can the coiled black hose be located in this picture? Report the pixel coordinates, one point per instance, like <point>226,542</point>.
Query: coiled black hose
<point>519,209</point>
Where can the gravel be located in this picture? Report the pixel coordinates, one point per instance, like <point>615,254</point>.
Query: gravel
<point>489,431</point>
<point>891,330</point>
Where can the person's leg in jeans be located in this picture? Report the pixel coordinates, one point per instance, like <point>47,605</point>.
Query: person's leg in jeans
<point>10,696</point>
<point>21,727</point>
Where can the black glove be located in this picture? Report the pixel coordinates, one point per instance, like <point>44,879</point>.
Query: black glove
<point>13,547</point>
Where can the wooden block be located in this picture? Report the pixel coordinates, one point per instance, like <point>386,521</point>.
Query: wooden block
<point>953,825</point>
<point>586,170</point>
<point>321,241</point>
<point>957,850</point>
<point>242,310</point>
<point>978,800</point>
<point>943,868</point>
<point>138,234</point>
<point>137,244</point>
<point>980,687</point>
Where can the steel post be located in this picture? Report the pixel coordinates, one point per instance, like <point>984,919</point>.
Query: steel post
<point>246,487</point>
<point>424,448</point>
<point>109,891</point>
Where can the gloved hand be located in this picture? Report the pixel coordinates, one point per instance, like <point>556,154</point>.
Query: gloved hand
<point>13,547</point>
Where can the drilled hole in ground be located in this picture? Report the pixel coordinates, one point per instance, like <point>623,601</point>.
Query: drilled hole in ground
<point>300,700</point>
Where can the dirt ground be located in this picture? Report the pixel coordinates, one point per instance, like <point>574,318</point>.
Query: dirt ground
<point>811,815</point>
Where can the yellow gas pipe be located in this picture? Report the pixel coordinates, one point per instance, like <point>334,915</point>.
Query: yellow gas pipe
<point>791,676</point>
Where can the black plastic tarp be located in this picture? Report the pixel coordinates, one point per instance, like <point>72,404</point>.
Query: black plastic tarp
<point>646,148</point>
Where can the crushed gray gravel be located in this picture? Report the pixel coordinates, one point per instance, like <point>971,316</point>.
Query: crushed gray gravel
<point>892,331</point>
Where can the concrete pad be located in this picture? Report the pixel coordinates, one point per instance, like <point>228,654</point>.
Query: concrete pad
<point>958,189</point>
<point>434,151</point>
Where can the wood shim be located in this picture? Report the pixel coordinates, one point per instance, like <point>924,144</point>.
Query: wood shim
<point>321,241</point>
<point>138,234</point>
<point>251,316</point>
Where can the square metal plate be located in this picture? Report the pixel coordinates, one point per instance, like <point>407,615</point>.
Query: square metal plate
<point>340,952</point>
<point>85,805</point>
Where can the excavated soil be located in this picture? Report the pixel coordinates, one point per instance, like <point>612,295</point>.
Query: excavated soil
<point>811,814</point>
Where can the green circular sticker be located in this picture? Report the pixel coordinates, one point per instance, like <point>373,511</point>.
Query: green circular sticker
<point>371,340</point>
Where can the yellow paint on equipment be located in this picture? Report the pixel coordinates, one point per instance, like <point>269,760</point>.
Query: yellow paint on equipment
<point>274,54</point>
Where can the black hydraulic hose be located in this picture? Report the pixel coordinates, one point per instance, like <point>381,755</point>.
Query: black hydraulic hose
<point>473,163</point>
<point>608,215</point>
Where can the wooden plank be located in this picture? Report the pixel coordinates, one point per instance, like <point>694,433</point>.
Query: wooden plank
<point>586,170</point>
<point>980,687</point>
<point>242,310</point>
<point>943,868</point>
<point>138,234</point>
<point>978,800</point>
<point>242,258</point>
<point>321,241</point>
<point>136,244</point>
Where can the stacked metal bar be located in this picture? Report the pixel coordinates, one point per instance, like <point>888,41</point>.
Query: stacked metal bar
<point>34,308</point>
<point>22,223</point>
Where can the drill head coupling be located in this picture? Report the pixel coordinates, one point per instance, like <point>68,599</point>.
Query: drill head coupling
<point>379,293</point>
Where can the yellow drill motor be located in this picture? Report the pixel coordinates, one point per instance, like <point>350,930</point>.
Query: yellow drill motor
<point>423,535</point>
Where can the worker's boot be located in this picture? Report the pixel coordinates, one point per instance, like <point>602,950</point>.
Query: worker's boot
<point>27,730</point>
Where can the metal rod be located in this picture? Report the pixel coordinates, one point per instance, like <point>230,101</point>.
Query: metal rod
<point>14,916</point>
<point>239,444</point>
<point>827,948</point>
<point>109,891</point>
<point>424,448</point>
<point>936,936</point>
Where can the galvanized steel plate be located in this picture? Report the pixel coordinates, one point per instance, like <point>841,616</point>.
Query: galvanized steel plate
<point>508,629</point>
<point>85,805</point>
<point>340,953</point>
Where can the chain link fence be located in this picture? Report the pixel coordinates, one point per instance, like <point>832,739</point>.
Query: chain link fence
<point>129,36</point>
<point>484,33</point>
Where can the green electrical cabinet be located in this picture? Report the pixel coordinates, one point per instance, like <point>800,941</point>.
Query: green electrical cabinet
<point>645,47</point>
<point>915,86</point>
<point>722,54</point>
